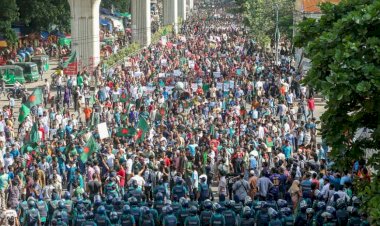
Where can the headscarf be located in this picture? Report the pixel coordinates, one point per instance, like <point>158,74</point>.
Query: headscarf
<point>295,187</point>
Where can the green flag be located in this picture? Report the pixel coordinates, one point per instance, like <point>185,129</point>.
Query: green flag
<point>129,107</point>
<point>24,112</point>
<point>123,97</point>
<point>34,136</point>
<point>35,98</point>
<point>164,32</point>
<point>126,132</point>
<point>71,59</point>
<point>90,147</point>
<point>212,131</point>
<point>143,128</point>
<point>92,100</point>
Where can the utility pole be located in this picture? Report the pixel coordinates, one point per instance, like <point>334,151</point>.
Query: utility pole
<point>277,34</point>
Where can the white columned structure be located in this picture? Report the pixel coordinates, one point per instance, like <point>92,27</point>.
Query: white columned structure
<point>141,21</point>
<point>190,4</point>
<point>182,9</point>
<point>171,14</point>
<point>85,32</point>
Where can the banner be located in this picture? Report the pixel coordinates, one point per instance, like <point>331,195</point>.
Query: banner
<point>103,130</point>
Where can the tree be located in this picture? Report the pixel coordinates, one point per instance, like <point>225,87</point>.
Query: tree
<point>119,5</point>
<point>344,48</point>
<point>41,15</point>
<point>260,17</point>
<point>8,15</point>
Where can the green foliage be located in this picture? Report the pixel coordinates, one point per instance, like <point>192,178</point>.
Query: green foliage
<point>344,47</point>
<point>119,5</point>
<point>125,52</point>
<point>135,47</point>
<point>40,15</point>
<point>260,17</point>
<point>8,15</point>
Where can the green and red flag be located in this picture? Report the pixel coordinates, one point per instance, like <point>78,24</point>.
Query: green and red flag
<point>90,147</point>
<point>126,132</point>
<point>123,97</point>
<point>35,98</point>
<point>24,112</point>
<point>71,59</point>
<point>34,136</point>
<point>143,128</point>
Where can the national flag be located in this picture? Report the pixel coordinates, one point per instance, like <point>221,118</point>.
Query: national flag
<point>72,58</point>
<point>123,97</point>
<point>92,100</point>
<point>35,98</point>
<point>212,131</point>
<point>164,32</point>
<point>90,147</point>
<point>143,128</point>
<point>126,132</point>
<point>269,142</point>
<point>129,107</point>
<point>24,112</point>
<point>163,110</point>
<point>34,135</point>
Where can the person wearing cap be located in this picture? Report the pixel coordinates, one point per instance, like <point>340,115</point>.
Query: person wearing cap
<point>252,181</point>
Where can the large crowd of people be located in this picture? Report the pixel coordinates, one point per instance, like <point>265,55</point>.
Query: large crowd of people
<point>202,128</point>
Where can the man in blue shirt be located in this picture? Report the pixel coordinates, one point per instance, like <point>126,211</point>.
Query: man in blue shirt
<point>287,150</point>
<point>15,152</point>
<point>192,148</point>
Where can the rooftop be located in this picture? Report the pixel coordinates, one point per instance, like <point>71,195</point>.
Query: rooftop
<point>312,6</point>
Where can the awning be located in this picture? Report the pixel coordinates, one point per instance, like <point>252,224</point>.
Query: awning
<point>3,43</point>
<point>127,15</point>
<point>64,41</point>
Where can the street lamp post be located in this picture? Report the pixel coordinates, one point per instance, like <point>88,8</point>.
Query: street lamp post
<point>277,32</point>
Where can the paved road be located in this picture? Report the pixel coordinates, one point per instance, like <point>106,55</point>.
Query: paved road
<point>319,109</point>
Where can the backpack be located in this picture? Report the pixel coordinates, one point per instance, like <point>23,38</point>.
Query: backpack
<point>179,191</point>
<point>32,216</point>
<point>205,217</point>
<point>205,192</point>
<point>355,221</point>
<point>170,220</point>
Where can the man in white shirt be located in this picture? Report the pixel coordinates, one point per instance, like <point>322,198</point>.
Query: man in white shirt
<point>326,188</point>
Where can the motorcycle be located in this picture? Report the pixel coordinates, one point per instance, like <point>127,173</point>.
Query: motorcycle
<point>20,93</point>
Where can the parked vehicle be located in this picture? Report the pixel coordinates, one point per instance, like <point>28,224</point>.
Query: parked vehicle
<point>12,73</point>
<point>30,71</point>
<point>42,61</point>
